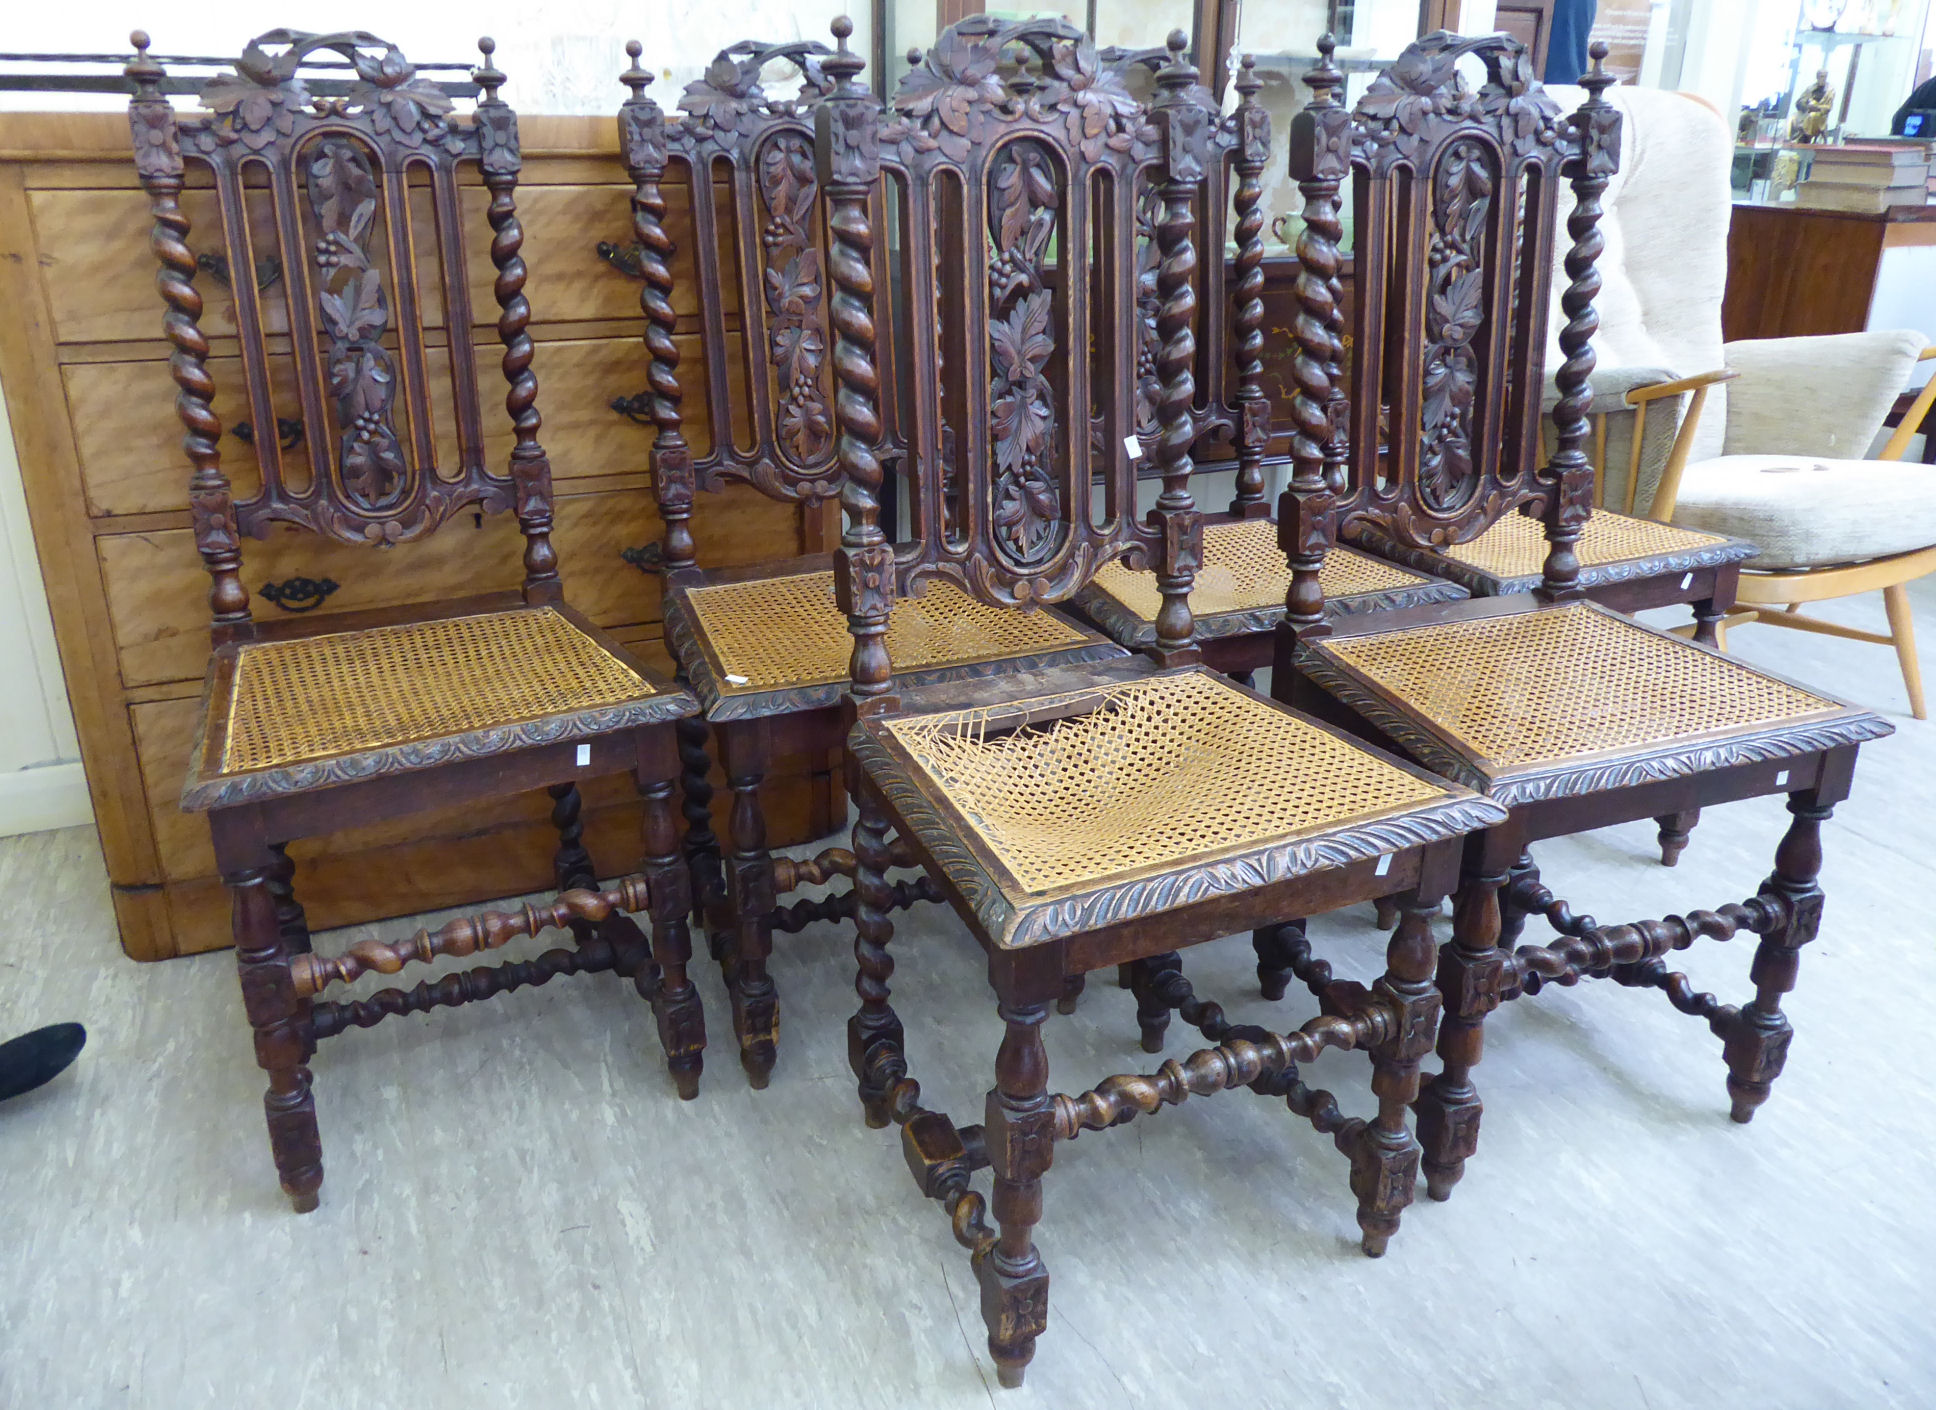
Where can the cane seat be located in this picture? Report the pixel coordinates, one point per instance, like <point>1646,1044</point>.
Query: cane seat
<point>1179,785</point>
<point>1241,586</point>
<point>1571,699</point>
<point>776,643</point>
<point>306,711</point>
<point>1508,557</point>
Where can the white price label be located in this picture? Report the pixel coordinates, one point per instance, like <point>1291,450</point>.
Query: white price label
<point>584,755</point>
<point>1133,446</point>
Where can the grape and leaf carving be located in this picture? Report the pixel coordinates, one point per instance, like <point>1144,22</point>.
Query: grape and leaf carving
<point>1462,189</point>
<point>794,297</point>
<point>260,102</point>
<point>355,315</point>
<point>1023,203</point>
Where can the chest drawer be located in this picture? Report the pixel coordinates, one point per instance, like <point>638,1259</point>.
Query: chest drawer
<point>100,276</point>
<point>128,437</point>
<point>157,589</point>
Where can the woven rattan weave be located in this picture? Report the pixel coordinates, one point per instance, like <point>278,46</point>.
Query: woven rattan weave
<point>1531,687</point>
<point>1515,546</point>
<point>1244,569</point>
<point>773,633</point>
<point>1156,772</point>
<point>322,697</point>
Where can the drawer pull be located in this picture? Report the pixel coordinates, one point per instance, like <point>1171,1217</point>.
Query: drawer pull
<point>647,558</point>
<point>299,594</point>
<point>268,269</point>
<point>637,407</point>
<point>289,432</point>
<point>624,258</point>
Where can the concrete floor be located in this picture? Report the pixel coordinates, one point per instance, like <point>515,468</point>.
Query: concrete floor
<point>518,1213</point>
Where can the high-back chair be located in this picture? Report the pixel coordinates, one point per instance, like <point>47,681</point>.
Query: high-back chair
<point>323,722</point>
<point>1569,714</point>
<point>1239,595</point>
<point>764,647</point>
<point>1084,816</point>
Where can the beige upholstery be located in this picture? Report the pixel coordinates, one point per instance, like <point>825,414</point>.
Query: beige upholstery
<point>1815,396</point>
<point>1662,273</point>
<point>1807,512</point>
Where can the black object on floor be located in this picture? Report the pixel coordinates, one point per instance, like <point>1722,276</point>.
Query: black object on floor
<point>37,1057</point>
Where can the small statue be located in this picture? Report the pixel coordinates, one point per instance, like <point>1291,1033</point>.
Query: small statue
<point>1812,108</point>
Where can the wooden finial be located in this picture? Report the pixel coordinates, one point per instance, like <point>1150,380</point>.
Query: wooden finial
<point>1325,80</point>
<point>1179,72</point>
<point>146,73</point>
<point>635,77</point>
<point>844,64</point>
<point>1247,80</point>
<point>486,74</point>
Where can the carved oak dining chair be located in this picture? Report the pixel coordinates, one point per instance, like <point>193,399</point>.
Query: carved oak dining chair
<point>1569,714</point>
<point>764,647</point>
<point>325,722</point>
<point>1080,817</point>
<point>1239,595</point>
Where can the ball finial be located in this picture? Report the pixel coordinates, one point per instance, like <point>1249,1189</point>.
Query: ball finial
<point>633,49</point>
<point>140,41</point>
<point>487,46</point>
<point>1327,45</point>
<point>1177,42</point>
<point>843,29</point>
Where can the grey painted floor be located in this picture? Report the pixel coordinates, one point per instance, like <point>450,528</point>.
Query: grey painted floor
<point>517,1212</point>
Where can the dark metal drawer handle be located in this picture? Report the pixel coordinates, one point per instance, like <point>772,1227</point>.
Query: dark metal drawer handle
<point>268,269</point>
<point>647,558</point>
<point>637,407</point>
<point>626,259</point>
<point>289,432</point>
<point>299,594</point>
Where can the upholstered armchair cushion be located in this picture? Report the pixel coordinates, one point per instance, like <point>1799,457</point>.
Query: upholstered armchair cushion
<point>1662,275</point>
<point>1805,511</point>
<point>1823,396</point>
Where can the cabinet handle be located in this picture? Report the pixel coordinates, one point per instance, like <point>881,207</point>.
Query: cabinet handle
<point>624,258</point>
<point>268,269</point>
<point>647,558</point>
<point>289,432</point>
<point>299,594</point>
<point>637,407</point>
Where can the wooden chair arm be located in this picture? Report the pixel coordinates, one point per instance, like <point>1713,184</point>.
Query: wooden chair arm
<point>1656,390</point>
<point>1912,419</point>
<point>1667,492</point>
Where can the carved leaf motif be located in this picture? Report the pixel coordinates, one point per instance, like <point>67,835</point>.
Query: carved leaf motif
<point>1026,504</point>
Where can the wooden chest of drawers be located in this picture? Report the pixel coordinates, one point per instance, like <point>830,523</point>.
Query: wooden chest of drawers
<point>85,372</point>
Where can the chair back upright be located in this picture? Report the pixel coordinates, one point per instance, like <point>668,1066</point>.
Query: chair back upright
<point>1033,341</point>
<point>343,236</point>
<point>758,250</point>
<point>1456,193</point>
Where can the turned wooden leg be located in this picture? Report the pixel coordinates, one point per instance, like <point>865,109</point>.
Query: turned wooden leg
<point>290,919</point>
<point>1512,915</point>
<point>1384,1166</point>
<point>674,998</point>
<point>750,890</point>
<point>571,864</point>
<point>701,846</point>
<point>1386,916</point>
<point>1273,957</point>
<point>1674,830</point>
<point>1125,976</point>
<point>1471,972</point>
<point>284,1040</point>
<point>874,1032</point>
<point>1756,1043</point>
<point>1708,617</point>
<point>1020,1132</point>
<point>1245,678</point>
<point>1902,629</point>
<point>1152,1013</point>
<point>1071,995</point>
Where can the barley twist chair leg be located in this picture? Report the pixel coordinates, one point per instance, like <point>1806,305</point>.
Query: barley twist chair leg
<point>1384,1167</point>
<point>701,845</point>
<point>283,1038</point>
<point>1523,874</point>
<point>874,1032</point>
<point>1020,1134</point>
<point>1471,972</point>
<point>674,998</point>
<point>751,895</point>
<point>1756,1042</point>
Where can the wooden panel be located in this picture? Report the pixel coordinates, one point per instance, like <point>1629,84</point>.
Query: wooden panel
<point>157,589</point>
<point>100,277</point>
<point>1793,273</point>
<point>129,438</point>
